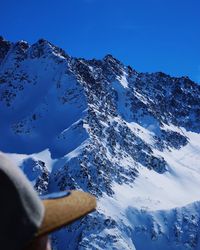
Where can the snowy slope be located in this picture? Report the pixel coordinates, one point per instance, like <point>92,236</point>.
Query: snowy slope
<point>132,139</point>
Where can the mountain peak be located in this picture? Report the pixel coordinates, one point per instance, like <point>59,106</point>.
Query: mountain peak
<point>129,138</point>
<point>111,58</point>
<point>22,44</point>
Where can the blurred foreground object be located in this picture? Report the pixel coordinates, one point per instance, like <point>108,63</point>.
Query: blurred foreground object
<point>24,216</point>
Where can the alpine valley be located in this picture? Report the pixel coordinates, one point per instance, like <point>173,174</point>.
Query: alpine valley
<point>131,139</point>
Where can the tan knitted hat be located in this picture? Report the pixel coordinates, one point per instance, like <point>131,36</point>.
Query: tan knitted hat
<point>62,210</point>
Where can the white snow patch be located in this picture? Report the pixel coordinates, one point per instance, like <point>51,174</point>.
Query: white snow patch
<point>145,134</point>
<point>122,79</point>
<point>44,156</point>
<point>140,97</point>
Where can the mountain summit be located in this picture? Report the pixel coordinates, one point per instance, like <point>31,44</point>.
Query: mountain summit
<point>132,139</point>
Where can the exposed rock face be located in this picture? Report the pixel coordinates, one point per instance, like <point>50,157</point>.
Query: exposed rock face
<point>104,124</point>
<point>37,173</point>
<point>4,48</point>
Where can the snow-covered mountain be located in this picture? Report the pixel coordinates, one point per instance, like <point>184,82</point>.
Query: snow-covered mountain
<point>131,139</point>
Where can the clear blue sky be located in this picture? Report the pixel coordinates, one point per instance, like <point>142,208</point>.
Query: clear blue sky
<point>149,35</point>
